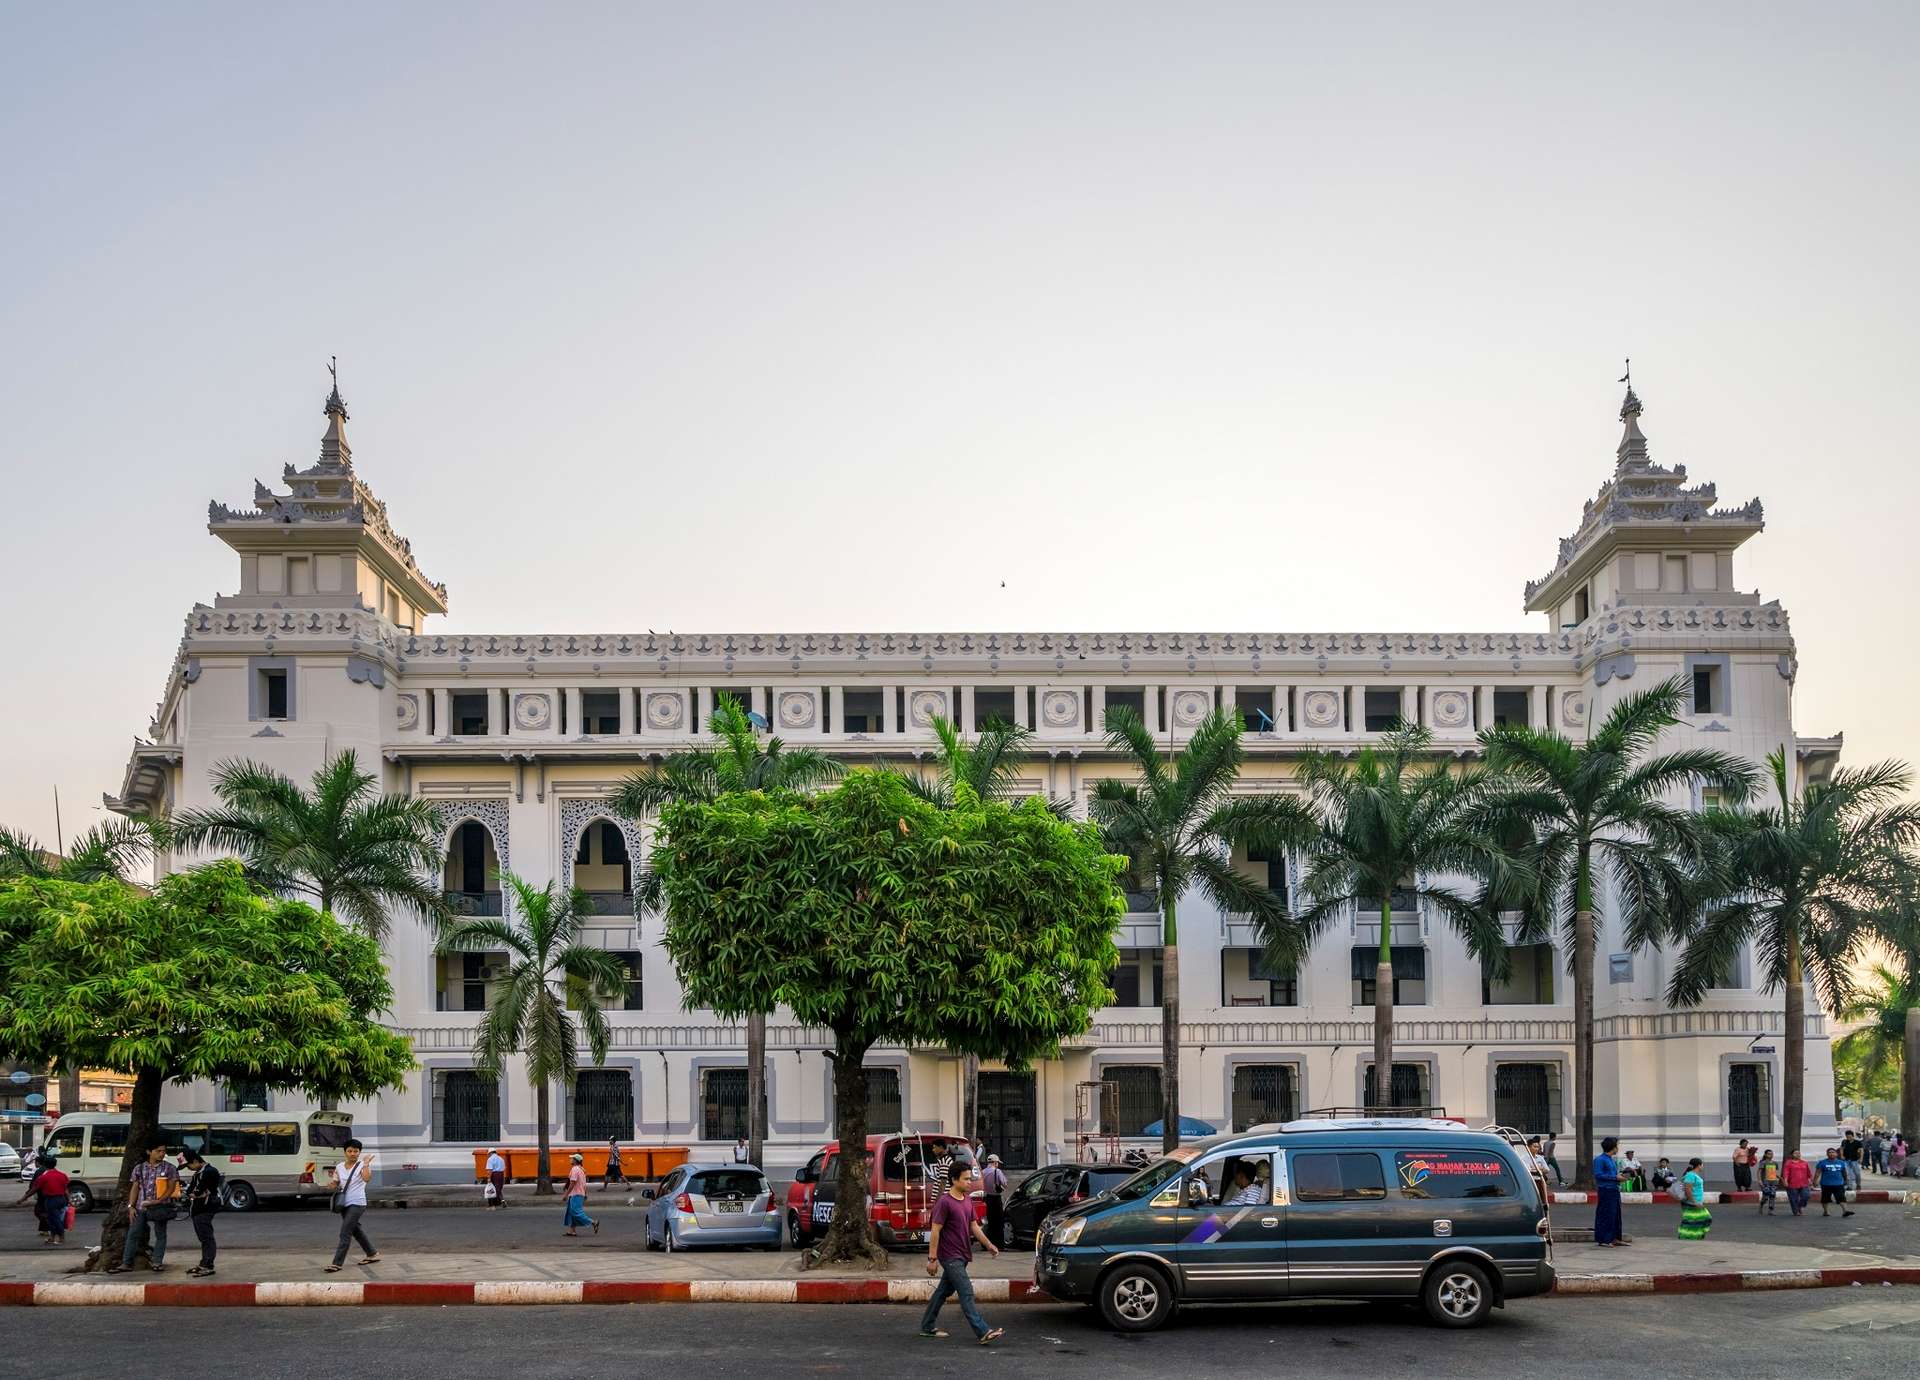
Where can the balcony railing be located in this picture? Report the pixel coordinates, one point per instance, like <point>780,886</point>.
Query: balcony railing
<point>1142,901</point>
<point>609,902</point>
<point>473,902</point>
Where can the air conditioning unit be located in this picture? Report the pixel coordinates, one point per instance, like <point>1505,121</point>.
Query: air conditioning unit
<point>493,972</point>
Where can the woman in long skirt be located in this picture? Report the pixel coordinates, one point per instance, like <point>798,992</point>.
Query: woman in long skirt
<point>577,1201</point>
<point>1695,1220</point>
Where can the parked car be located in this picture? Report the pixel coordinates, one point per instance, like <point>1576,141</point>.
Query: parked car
<point>713,1205</point>
<point>9,1161</point>
<point>1364,1208</point>
<point>901,1186</point>
<point>1052,1187</point>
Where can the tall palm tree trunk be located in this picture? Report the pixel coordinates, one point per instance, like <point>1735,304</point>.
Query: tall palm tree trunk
<point>1169,1025</point>
<point>1910,1077</point>
<point>1383,1010</point>
<point>1793,1077</point>
<point>756,1088</point>
<point>1583,955</point>
<point>543,1185</point>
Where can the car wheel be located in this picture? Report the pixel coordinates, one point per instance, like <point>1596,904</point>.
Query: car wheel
<point>795,1234</point>
<point>1135,1298</point>
<point>240,1196</point>
<point>670,1245</point>
<point>1458,1294</point>
<point>79,1196</point>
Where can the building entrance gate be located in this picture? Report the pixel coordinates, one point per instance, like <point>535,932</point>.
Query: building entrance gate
<point>1008,1122</point>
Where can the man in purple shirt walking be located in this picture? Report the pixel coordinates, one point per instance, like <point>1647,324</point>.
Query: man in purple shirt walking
<point>951,1231</point>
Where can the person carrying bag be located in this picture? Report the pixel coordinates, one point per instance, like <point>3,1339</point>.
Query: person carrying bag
<point>350,1201</point>
<point>203,1195</point>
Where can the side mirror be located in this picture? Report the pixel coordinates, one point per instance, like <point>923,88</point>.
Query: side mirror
<point>646,1194</point>
<point>803,1175</point>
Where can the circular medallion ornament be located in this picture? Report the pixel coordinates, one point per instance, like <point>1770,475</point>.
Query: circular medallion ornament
<point>1190,707</point>
<point>1320,708</point>
<point>1451,709</point>
<point>532,712</point>
<point>665,710</point>
<point>1060,709</point>
<point>406,712</point>
<point>796,709</point>
<point>923,705</point>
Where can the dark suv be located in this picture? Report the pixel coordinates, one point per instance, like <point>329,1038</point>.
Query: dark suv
<point>1055,1186</point>
<point>1386,1208</point>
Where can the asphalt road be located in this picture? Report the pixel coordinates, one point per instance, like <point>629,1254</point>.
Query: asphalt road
<point>1806,1336</point>
<point>531,1224</point>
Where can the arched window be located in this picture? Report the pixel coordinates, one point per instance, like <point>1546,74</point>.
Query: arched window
<point>473,870</point>
<point>602,868</point>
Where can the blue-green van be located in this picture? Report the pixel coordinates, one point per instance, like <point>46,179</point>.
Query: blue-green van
<point>1399,1208</point>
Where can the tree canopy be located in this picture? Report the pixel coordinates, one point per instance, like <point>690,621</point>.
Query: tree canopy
<point>877,915</point>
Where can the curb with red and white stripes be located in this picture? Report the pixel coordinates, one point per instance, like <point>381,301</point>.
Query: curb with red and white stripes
<point>904,1291</point>
<point>1869,1195</point>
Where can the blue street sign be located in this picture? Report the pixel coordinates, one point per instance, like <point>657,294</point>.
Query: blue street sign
<point>36,1099</point>
<point>15,1114</point>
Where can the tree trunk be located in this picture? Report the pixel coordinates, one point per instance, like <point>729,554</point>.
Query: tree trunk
<point>543,1168</point>
<point>849,1236</point>
<point>143,1130</point>
<point>1383,1010</point>
<point>69,1091</point>
<point>1169,1023</point>
<point>970,1099</point>
<point>1910,1078</point>
<point>757,1089</point>
<point>1583,958</point>
<point>1793,1056</point>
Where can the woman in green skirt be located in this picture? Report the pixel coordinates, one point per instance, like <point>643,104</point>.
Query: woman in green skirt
<point>1695,1220</point>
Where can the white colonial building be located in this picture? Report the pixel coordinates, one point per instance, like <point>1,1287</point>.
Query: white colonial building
<point>327,642</point>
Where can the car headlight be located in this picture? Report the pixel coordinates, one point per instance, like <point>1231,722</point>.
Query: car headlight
<point>1068,1233</point>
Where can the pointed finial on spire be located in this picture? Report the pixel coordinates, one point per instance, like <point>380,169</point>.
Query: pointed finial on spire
<point>1633,444</point>
<point>334,450</point>
<point>335,406</point>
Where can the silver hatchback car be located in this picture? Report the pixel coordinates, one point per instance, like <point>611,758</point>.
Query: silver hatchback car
<point>713,1205</point>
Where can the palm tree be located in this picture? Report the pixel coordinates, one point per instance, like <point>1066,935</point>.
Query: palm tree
<point>1884,1015</point>
<point>736,760</point>
<point>1393,819</point>
<point>547,967</point>
<point>106,852</point>
<point>357,853</point>
<point>1898,929</point>
<point>1600,806</point>
<point>989,766</point>
<point>1804,881</point>
<point>1178,823</point>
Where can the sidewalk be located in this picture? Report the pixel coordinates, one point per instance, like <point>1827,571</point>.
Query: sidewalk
<point>1657,1262</point>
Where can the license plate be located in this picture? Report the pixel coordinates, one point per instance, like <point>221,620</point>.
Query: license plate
<point>729,1207</point>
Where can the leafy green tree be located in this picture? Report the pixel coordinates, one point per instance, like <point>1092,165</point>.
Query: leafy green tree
<point>885,920</point>
<point>105,853</point>
<point>358,853</point>
<point>1177,822</point>
<point>547,967</point>
<point>736,760</point>
<point>1803,882</point>
<point>1869,1061</point>
<point>1897,929</point>
<point>1397,819</point>
<point>990,767</point>
<point>202,979</point>
<point>1581,810</point>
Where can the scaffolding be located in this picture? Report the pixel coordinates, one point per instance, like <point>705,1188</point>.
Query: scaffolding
<point>1096,1111</point>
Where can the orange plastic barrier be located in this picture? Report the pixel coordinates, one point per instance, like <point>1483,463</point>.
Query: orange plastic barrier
<point>643,1162</point>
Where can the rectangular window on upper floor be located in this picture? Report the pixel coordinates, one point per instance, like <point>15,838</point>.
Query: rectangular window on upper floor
<point>600,711</point>
<point>1382,709</point>
<point>1256,706</point>
<point>1709,691</point>
<point>992,706</point>
<point>860,710</point>
<point>1580,606</point>
<point>1409,975</point>
<point>1123,697</point>
<point>1512,707</point>
<point>1529,979</point>
<point>468,711</point>
<point>273,694</point>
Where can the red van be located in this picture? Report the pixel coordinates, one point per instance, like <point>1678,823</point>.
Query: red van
<point>900,1188</point>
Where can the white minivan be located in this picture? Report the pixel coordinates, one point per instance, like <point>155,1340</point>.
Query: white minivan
<point>261,1154</point>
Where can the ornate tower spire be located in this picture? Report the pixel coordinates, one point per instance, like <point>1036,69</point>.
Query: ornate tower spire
<point>1633,443</point>
<point>335,453</point>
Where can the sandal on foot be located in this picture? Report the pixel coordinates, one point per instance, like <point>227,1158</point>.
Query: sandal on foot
<point>335,1269</point>
<point>596,1228</point>
<point>995,1335</point>
<point>369,1259</point>
<point>935,1333</point>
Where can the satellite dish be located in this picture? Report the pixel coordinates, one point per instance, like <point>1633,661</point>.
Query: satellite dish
<point>1266,720</point>
<point>757,719</point>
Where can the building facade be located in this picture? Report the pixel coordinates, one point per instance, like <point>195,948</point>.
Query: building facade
<point>327,643</point>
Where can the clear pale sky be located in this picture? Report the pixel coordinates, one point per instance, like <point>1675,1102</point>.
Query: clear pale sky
<point>836,317</point>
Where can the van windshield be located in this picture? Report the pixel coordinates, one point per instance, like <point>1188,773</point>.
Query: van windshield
<point>1148,1179</point>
